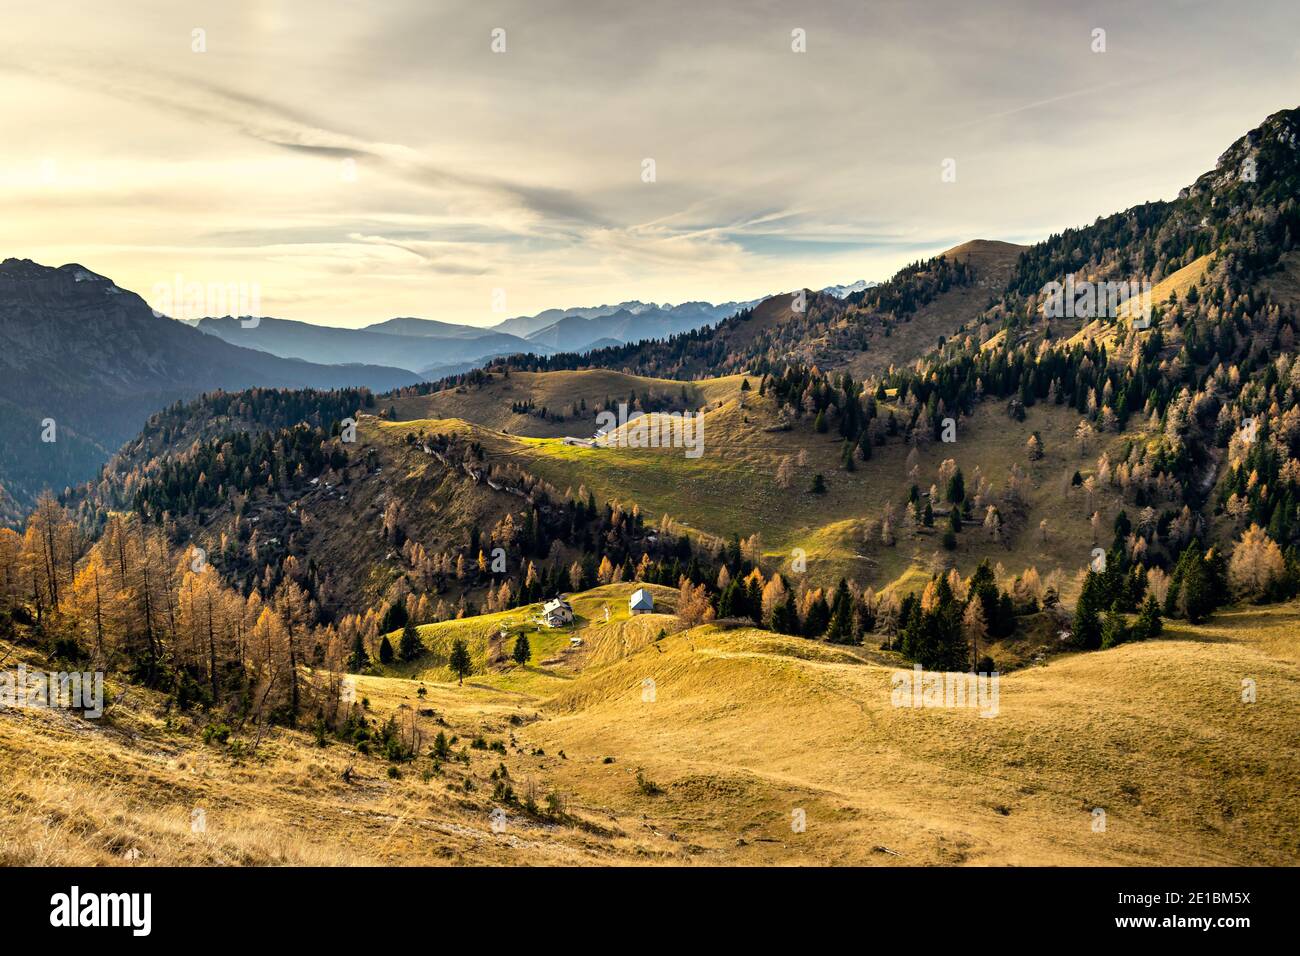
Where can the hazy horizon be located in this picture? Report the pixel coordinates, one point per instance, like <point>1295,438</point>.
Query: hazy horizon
<point>361,164</point>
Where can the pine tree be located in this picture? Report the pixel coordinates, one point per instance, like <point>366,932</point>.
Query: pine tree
<point>410,647</point>
<point>840,628</point>
<point>523,653</point>
<point>1148,624</point>
<point>1087,614</point>
<point>460,662</point>
<point>358,660</point>
<point>385,651</point>
<point>1113,630</point>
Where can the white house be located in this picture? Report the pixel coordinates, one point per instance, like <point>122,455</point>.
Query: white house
<point>641,602</point>
<point>557,613</point>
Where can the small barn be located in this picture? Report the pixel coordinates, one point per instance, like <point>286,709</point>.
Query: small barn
<point>557,613</point>
<point>641,602</point>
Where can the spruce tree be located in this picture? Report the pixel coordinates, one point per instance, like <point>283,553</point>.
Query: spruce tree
<point>409,647</point>
<point>840,629</point>
<point>1113,630</point>
<point>819,616</point>
<point>358,660</point>
<point>460,662</point>
<point>1087,614</point>
<point>523,653</point>
<point>785,618</point>
<point>956,490</point>
<point>1148,624</point>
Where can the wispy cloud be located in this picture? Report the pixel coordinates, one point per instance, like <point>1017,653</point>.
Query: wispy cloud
<point>363,161</point>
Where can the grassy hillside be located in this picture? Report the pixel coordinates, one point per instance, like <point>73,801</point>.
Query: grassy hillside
<point>557,392</point>
<point>1176,284</point>
<point>747,726</point>
<point>744,728</point>
<point>732,488</point>
<point>490,638</point>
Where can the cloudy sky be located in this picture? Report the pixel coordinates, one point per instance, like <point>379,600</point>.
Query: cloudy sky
<point>358,161</point>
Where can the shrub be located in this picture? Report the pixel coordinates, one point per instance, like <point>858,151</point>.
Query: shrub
<point>648,787</point>
<point>218,732</point>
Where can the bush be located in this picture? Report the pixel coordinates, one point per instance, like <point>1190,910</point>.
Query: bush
<point>648,787</point>
<point>218,732</point>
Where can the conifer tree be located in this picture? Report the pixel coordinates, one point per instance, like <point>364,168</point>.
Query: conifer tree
<point>1087,614</point>
<point>1148,624</point>
<point>523,653</point>
<point>410,647</point>
<point>359,660</point>
<point>460,662</point>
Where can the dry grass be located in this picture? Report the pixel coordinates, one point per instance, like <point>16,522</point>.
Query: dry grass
<point>555,391</point>
<point>745,727</point>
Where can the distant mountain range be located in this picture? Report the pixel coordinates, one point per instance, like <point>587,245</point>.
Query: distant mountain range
<point>430,347</point>
<point>627,322</point>
<point>844,291</point>
<point>412,344</point>
<point>527,325</point>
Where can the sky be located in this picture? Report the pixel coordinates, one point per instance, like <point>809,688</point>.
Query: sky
<point>346,162</point>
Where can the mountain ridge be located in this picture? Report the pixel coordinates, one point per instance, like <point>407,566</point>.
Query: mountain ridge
<point>94,361</point>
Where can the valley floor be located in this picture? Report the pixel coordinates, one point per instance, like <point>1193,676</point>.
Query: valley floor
<point>742,736</point>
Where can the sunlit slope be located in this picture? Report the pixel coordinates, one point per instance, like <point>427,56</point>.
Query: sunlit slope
<point>732,488</point>
<point>745,727</point>
<point>1175,284</point>
<point>490,404</point>
<point>602,621</point>
<point>122,791</point>
<point>706,764</point>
